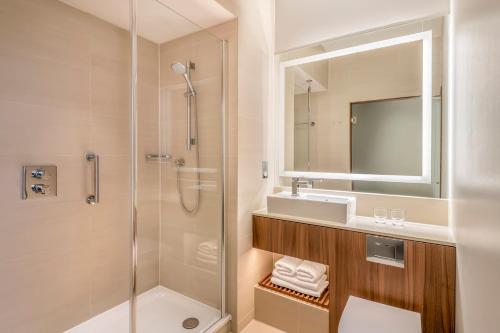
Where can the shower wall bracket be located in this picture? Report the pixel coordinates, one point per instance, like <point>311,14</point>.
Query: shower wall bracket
<point>158,157</point>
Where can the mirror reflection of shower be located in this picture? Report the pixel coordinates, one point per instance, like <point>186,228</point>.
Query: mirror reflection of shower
<point>309,124</point>
<point>191,138</point>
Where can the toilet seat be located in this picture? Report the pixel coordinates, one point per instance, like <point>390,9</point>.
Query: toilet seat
<point>364,316</point>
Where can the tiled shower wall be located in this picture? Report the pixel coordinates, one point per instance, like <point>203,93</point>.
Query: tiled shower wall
<point>65,91</point>
<point>148,172</point>
<point>180,267</point>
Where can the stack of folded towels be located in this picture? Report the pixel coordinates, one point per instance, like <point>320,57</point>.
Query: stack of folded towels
<point>207,252</point>
<point>300,275</point>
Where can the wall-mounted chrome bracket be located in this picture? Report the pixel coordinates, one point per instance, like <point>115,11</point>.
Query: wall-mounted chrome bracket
<point>162,158</point>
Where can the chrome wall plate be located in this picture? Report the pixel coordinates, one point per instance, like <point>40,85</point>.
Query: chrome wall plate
<point>39,181</point>
<point>386,251</point>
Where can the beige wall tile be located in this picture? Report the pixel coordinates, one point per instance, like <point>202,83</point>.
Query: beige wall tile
<point>148,185</point>
<point>65,91</point>
<point>109,247</point>
<point>40,129</point>
<point>32,80</point>
<point>46,266</point>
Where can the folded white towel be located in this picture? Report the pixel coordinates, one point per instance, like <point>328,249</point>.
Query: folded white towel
<point>287,265</point>
<point>208,262</point>
<point>206,256</point>
<point>208,247</point>
<point>310,271</point>
<point>207,259</point>
<point>308,285</point>
<point>314,293</point>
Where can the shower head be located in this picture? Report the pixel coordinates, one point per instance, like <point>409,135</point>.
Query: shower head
<point>181,69</point>
<point>178,68</point>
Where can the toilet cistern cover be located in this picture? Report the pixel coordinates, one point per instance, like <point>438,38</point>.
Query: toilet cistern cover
<point>364,316</point>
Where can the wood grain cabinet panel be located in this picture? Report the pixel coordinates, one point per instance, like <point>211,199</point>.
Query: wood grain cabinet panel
<point>438,276</point>
<point>261,237</point>
<point>285,238</point>
<point>426,284</point>
<point>313,243</point>
<point>293,239</point>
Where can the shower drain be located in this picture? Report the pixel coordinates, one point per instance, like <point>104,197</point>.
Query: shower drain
<point>190,323</point>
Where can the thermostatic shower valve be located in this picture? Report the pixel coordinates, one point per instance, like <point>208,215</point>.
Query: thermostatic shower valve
<point>39,181</point>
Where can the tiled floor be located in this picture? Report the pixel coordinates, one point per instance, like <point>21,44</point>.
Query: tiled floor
<point>258,327</point>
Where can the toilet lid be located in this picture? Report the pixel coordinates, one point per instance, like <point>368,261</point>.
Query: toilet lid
<point>364,316</point>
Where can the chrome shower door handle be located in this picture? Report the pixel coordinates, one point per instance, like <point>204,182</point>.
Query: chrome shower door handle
<point>93,199</point>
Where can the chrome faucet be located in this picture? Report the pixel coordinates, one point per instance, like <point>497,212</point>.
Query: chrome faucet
<point>297,182</point>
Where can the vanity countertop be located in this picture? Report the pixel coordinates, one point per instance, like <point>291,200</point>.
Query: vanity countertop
<point>412,231</point>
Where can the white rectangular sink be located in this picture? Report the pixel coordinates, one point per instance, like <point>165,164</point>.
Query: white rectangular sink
<point>314,206</point>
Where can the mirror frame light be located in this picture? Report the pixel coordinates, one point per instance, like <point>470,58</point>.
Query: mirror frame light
<point>426,38</point>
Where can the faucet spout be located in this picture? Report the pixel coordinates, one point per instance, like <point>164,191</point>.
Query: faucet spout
<point>297,183</point>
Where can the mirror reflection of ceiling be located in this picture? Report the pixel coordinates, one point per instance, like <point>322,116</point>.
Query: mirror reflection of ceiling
<point>334,19</point>
<point>158,20</point>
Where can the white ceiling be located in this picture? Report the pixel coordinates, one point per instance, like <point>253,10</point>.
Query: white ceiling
<point>300,23</point>
<point>155,21</point>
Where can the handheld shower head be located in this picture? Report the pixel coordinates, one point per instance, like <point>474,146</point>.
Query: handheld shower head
<point>181,69</point>
<point>178,68</point>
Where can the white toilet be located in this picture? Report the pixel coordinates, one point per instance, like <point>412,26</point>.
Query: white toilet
<point>364,316</point>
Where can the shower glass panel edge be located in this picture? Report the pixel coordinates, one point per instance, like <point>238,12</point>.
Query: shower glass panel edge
<point>133,161</point>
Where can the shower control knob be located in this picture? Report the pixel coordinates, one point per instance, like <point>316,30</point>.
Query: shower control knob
<point>38,173</point>
<point>39,188</point>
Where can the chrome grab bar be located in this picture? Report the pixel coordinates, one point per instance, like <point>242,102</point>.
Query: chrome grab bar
<point>93,199</point>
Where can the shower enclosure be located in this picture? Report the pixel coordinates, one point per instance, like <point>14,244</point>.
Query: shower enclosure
<point>112,157</point>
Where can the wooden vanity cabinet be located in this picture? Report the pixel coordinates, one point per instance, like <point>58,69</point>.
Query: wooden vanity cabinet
<point>298,240</point>
<point>426,284</point>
